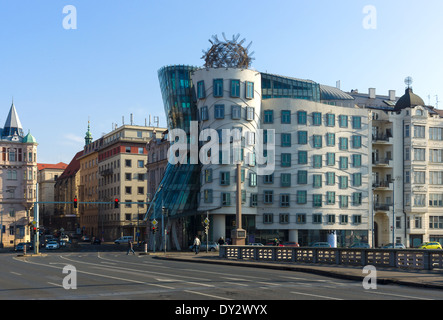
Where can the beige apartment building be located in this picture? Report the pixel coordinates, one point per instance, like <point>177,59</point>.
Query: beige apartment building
<point>122,175</point>
<point>18,180</point>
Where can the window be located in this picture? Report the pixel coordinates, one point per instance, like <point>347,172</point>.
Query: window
<point>285,139</point>
<point>356,198</point>
<point>356,179</point>
<point>226,199</point>
<point>208,176</point>
<point>407,131</point>
<point>302,157</point>
<point>356,122</point>
<point>235,88</point>
<point>419,200</point>
<point>356,142</point>
<point>300,218</point>
<point>317,161</point>
<point>236,112</point>
<point>317,200</point>
<point>249,90</point>
<point>218,88</point>
<point>343,163</point>
<point>140,190</point>
<point>285,159</point>
<point>250,113</point>
<point>435,177</point>
<point>204,115</point>
<point>285,180</point>
<point>331,218</point>
<point>128,149</point>
<point>302,197</point>
<point>419,132</point>
<point>128,190</point>
<point>344,219</point>
<point>420,177</point>
<point>201,94</point>
<point>140,150</point>
<point>343,121</point>
<point>330,120</point>
<point>301,117</point>
<point>317,181</point>
<point>254,200</point>
<point>219,111</point>
<point>343,201</point>
<point>268,197</point>
<point>128,163</point>
<point>316,218</point>
<point>330,159</point>
<point>252,179</point>
<point>207,196</point>
<point>435,222</point>
<point>140,164</point>
<point>268,218</point>
<point>330,197</point>
<point>268,179</point>
<point>316,118</point>
<point>284,200</point>
<point>343,144</point>
<point>343,182</point>
<point>436,200</point>
<point>285,116</point>
<point>435,133</point>
<point>356,160</point>
<point>317,141</point>
<point>224,178</point>
<point>330,178</point>
<point>419,154</point>
<point>302,137</point>
<point>436,155</point>
<point>330,139</point>
<point>302,177</point>
<point>284,218</point>
<point>269,116</point>
<point>356,219</point>
<point>128,177</point>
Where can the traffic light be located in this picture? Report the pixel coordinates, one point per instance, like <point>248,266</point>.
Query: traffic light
<point>116,203</point>
<point>154,230</point>
<point>75,203</point>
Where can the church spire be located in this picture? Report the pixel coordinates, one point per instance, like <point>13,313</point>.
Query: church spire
<point>88,137</point>
<point>13,125</point>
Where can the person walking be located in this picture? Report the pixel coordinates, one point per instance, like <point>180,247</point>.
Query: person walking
<point>221,241</point>
<point>197,244</point>
<point>130,247</point>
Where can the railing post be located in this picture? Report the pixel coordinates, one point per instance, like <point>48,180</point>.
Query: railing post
<point>427,263</point>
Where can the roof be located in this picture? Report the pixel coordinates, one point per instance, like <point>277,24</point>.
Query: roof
<point>12,124</point>
<point>29,138</point>
<point>72,167</point>
<point>332,93</point>
<point>408,100</point>
<point>60,165</point>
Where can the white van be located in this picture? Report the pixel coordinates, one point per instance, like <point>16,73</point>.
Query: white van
<point>124,240</point>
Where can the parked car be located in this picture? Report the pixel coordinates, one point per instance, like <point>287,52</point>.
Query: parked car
<point>51,245</point>
<point>321,245</point>
<point>291,244</point>
<point>84,238</point>
<point>397,246</point>
<point>360,245</point>
<point>430,245</point>
<point>124,240</point>
<point>96,241</point>
<point>212,246</point>
<point>21,245</point>
<point>64,238</point>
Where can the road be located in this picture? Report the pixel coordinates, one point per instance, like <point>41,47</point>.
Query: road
<point>115,275</point>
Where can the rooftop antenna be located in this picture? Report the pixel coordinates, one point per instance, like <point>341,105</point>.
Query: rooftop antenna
<point>436,101</point>
<point>409,81</point>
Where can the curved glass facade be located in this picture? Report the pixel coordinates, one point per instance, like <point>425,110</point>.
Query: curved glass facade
<point>179,188</point>
<point>274,86</point>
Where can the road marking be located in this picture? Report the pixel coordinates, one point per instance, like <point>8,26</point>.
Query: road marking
<point>268,283</point>
<point>55,284</point>
<point>315,295</point>
<point>237,284</point>
<point>399,295</point>
<point>305,279</point>
<point>16,273</point>
<point>236,279</point>
<point>208,295</point>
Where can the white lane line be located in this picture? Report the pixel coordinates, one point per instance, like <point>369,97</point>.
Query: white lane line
<point>268,283</point>
<point>399,295</point>
<point>315,295</point>
<point>16,273</point>
<point>55,284</point>
<point>237,284</point>
<point>236,279</point>
<point>207,295</point>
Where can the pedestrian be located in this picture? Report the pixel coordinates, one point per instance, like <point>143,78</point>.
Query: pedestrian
<point>196,244</point>
<point>221,241</point>
<point>130,247</point>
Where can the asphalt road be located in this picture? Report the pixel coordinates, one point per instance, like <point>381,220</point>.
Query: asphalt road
<point>115,275</point>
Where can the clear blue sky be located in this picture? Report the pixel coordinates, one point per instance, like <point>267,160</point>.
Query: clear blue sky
<point>107,67</point>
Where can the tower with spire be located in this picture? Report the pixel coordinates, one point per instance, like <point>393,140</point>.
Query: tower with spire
<point>18,179</point>
<point>88,136</point>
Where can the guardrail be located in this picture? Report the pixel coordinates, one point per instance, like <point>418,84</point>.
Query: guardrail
<point>394,258</point>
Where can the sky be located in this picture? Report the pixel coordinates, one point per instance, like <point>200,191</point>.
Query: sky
<point>107,67</point>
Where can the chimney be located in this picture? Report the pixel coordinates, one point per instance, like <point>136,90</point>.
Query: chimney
<point>392,95</point>
<point>371,93</point>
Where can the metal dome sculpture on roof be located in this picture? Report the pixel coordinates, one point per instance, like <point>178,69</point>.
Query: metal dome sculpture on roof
<point>228,54</point>
<point>409,99</point>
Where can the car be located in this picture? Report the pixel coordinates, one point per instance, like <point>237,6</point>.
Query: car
<point>64,238</point>
<point>96,241</point>
<point>291,244</point>
<point>21,246</point>
<point>258,244</point>
<point>51,245</point>
<point>360,245</point>
<point>84,238</point>
<point>124,240</point>
<point>321,245</point>
<point>212,246</point>
<point>397,246</point>
<point>430,245</point>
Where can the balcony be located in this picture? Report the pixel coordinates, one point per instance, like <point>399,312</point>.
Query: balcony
<point>382,185</point>
<point>107,172</point>
<point>382,206</point>
<point>382,163</point>
<point>382,139</point>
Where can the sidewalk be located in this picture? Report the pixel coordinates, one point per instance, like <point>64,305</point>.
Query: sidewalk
<point>418,278</point>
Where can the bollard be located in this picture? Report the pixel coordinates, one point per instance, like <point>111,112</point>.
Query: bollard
<point>24,249</point>
<point>146,248</point>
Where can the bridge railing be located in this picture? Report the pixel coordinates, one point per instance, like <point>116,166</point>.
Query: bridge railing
<point>394,258</point>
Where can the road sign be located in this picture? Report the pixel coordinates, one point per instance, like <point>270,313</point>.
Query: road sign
<point>206,221</point>
<point>34,223</point>
<point>154,222</point>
